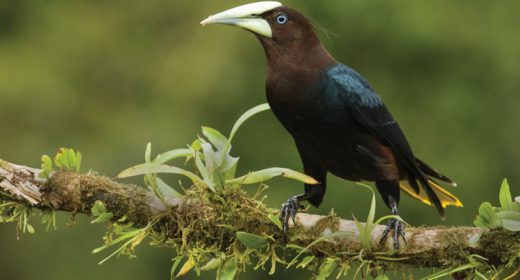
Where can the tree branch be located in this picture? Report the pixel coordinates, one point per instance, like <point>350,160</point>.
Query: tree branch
<point>75,192</point>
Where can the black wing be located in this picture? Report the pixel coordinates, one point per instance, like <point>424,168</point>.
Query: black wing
<point>368,110</point>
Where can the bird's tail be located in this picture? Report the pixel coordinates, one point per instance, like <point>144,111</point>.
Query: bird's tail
<point>445,197</point>
<point>420,193</point>
<point>430,172</point>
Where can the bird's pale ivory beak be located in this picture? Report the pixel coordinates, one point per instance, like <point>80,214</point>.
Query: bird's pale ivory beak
<point>247,17</point>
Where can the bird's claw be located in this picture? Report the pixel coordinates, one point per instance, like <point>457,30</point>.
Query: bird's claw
<point>398,229</point>
<point>288,212</point>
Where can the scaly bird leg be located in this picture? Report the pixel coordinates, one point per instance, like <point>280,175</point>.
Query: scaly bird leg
<point>288,211</point>
<point>395,225</point>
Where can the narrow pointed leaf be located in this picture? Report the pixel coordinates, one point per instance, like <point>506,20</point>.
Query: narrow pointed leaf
<point>46,167</point>
<point>212,264</point>
<point>251,241</point>
<point>214,137</point>
<point>145,168</point>
<point>269,173</point>
<point>186,267</point>
<point>248,114</point>
<point>228,270</point>
<point>209,159</point>
<point>276,220</point>
<point>98,208</point>
<point>148,152</point>
<point>176,261</point>
<point>105,217</point>
<point>326,269</point>
<point>486,216</point>
<point>166,190</point>
<point>173,154</point>
<point>229,168</point>
<point>305,261</point>
<point>510,220</point>
<point>506,201</point>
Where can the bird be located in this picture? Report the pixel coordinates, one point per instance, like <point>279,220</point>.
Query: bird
<point>338,122</point>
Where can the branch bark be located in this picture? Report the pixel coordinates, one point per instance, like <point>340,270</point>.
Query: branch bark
<point>75,192</point>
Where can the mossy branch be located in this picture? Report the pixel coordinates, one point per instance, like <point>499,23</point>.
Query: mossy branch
<point>74,192</point>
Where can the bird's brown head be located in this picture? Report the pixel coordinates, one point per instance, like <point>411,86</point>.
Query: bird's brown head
<point>282,30</point>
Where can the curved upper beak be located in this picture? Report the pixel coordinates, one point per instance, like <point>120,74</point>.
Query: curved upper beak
<point>247,17</point>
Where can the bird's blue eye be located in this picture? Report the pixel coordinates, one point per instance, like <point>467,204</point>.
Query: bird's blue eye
<point>281,19</point>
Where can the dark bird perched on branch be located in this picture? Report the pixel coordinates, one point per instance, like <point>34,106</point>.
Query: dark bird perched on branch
<point>338,122</point>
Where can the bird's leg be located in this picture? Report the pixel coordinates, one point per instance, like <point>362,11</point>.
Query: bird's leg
<point>395,225</point>
<point>289,210</point>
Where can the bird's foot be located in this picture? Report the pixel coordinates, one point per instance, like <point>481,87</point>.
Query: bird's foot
<point>397,227</point>
<point>288,212</point>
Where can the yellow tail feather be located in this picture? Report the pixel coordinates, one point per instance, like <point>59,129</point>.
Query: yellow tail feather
<point>444,196</point>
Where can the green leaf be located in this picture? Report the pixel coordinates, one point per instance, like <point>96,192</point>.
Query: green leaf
<point>30,228</point>
<point>148,153</point>
<point>248,114</point>
<point>186,267</point>
<point>267,174</point>
<point>321,239</point>
<point>326,269</point>
<point>147,168</point>
<point>372,211</point>
<point>510,220</point>
<point>480,223</point>
<point>229,167</point>
<point>176,261</point>
<point>70,159</point>
<point>365,231</point>
<point>173,154</point>
<point>214,263</point>
<point>98,208</point>
<point>228,270</point>
<point>206,177</point>
<point>382,277</point>
<point>123,237</point>
<point>166,190</point>
<point>200,165</point>
<point>209,159</point>
<point>511,225</point>
<point>450,271</point>
<point>195,145</point>
<point>214,137</point>
<point>251,241</point>
<point>105,217</point>
<point>46,167</point>
<point>74,160</point>
<point>506,201</point>
<point>276,220</point>
<point>48,219</point>
<point>305,262</point>
<point>67,159</point>
<point>78,161</point>
<point>474,239</point>
<point>487,215</point>
<point>57,159</point>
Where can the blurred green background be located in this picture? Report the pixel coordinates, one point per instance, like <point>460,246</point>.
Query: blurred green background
<point>106,77</point>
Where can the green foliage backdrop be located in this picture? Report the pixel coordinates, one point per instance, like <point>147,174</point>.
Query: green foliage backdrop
<point>106,77</point>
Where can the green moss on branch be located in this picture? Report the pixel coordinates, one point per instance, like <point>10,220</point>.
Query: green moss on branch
<point>202,224</point>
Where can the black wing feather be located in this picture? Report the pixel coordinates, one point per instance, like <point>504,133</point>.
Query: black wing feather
<point>369,111</point>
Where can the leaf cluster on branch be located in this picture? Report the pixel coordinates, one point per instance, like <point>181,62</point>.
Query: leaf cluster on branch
<point>215,225</point>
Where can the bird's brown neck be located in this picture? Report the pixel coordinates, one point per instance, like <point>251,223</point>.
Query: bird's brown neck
<point>302,57</point>
<point>291,75</point>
